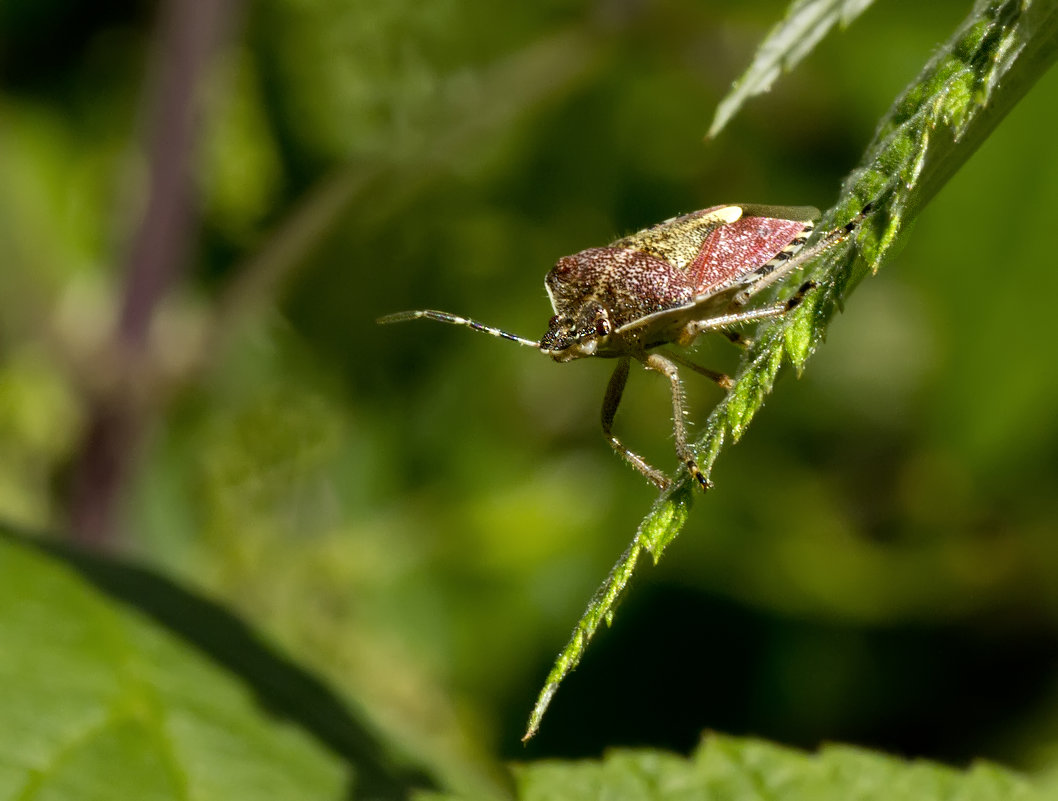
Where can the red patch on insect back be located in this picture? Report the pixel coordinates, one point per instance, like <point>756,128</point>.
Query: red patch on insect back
<point>738,248</point>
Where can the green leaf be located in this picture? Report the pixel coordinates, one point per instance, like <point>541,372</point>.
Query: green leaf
<point>103,697</point>
<point>740,769</point>
<point>806,23</point>
<point>929,132</point>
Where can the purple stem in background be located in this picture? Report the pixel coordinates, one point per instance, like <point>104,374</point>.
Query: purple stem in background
<point>188,33</point>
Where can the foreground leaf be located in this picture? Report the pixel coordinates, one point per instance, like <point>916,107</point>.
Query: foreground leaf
<point>737,769</point>
<point>100,701</point>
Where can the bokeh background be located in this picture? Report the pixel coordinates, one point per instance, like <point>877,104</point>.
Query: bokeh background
<point>418,513</point>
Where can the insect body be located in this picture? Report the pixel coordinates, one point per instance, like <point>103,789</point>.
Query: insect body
<point>666,285</point>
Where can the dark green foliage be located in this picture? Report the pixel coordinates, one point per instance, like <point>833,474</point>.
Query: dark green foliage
<point>395,527</point>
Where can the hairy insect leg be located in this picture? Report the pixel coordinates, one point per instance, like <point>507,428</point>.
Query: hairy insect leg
<point>737,339</point>
<point>692,330</point>
<point>722,379</point>
<point>610,402</point>
<point>660,364</point>
<point>773,272</point>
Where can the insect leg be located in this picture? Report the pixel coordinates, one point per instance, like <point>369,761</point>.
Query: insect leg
<point>609,409</point>
<point>692,330</point>
<point>660,364</point>
<point>737,339</point>
<point>772,272</point>
<point>722,380</point>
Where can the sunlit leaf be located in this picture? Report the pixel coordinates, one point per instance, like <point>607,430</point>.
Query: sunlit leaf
<point>806,23</point>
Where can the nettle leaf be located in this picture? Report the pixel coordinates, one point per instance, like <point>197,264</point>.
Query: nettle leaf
<point>750,770</point>
<point>739,769</point>
<point>962,93</point>
<point>101,696</point>
<point>806,23</point>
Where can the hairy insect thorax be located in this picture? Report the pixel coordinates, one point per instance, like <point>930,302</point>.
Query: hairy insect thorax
<point>598,291</point>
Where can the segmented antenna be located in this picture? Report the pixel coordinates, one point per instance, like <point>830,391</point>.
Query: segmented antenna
<point>445,317</point>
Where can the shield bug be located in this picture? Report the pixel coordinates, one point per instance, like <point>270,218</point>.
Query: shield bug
<point>666,285</point>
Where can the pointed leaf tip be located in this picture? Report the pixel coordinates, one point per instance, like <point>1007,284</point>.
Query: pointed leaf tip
<point>805,25</point>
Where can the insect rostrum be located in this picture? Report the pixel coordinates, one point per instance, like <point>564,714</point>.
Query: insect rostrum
<point>666,285</point>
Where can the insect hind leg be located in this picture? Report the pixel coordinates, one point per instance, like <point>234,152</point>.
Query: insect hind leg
<point>738,338</point>
<point>721,321</point>
<point>777,310</point>
<point>787,261</point>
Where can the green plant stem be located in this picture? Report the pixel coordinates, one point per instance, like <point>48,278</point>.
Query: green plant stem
<point>939,121</point>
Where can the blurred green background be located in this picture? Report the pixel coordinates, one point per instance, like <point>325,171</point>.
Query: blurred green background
<point>419,513</point>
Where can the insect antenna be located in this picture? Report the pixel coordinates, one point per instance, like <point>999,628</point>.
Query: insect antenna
<point>445,317</point>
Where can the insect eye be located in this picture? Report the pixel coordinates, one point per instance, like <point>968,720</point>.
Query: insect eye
<point>602,326</point>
